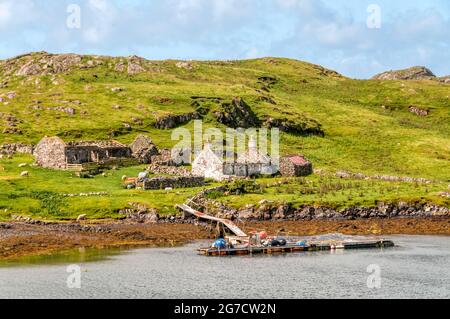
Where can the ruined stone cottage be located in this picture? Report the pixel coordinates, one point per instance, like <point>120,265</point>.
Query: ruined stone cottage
<point>144,149</point>
<point>209,164</point>
<point>53,152</point>
<point>252,163</point>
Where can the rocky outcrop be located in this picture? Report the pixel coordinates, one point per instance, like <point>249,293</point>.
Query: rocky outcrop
<point>49,64</point>
<point>172,121</point>
<point>135,65</point>
<point>418,111</point>
<point>300,126</point>
<point>168,122</point>
<point>11,124</point>
<point>414,73</point>
<point>266,82</point>
<point>12,130</point>
<point>43,63</point>
<point>237,114</point>
<point>185,65</point>
<point>140,213</point>
<point>266,99</point>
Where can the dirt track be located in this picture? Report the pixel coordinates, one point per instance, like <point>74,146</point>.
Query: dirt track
<point>19,239</point>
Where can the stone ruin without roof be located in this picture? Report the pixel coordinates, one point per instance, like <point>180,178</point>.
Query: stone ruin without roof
<point>100,144</point>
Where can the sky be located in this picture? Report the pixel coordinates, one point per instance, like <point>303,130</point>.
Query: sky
<point>358,38</point>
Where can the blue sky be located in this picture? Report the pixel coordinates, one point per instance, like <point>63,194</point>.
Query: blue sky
<point>332,33</point>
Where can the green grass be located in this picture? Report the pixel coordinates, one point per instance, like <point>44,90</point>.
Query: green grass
<point>367,125</point>
<point>336,192</point>
<point>41,194</point>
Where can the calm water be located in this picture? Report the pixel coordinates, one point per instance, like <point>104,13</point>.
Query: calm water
<point>419,267</point>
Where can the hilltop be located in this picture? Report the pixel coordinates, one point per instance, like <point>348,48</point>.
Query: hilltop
<point>414,73</point>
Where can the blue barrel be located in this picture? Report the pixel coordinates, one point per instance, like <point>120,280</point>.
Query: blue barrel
<point>302,243</point>
<point>220,244</point>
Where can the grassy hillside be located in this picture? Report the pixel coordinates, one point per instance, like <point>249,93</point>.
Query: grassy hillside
<point>368,127</point>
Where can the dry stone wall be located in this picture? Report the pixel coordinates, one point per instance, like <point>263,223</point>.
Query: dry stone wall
<point>173,182</point>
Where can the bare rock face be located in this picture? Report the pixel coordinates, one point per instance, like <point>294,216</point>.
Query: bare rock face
<point>135,65</point>
<point>135,68</point>
<point>185,65</point>
<point>171,121</point>
<point>46,64</point>
<point>43,63</point>
<point>237,114</point>
<point>120,66</point>
<point>30,68</point>
<point>414,73</point>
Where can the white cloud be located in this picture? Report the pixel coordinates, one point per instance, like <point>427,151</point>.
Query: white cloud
<point>5,13</point>
<point>314,30</point>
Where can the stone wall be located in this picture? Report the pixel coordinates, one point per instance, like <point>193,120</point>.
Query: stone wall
<point>245,170</point>
<point>16,148</point>
<point>169,170</point>
<point>173,182</point>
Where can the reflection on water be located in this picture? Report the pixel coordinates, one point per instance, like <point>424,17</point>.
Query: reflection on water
<point>418,267</point>
<point>72,256</point>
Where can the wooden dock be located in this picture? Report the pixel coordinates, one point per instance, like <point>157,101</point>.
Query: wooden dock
<point>244,240</point>
<point>232,227</point>
<point>290,248</point>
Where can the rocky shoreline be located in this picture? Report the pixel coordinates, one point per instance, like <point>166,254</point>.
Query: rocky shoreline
<point>268,212</point>
<point>272,211</point>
